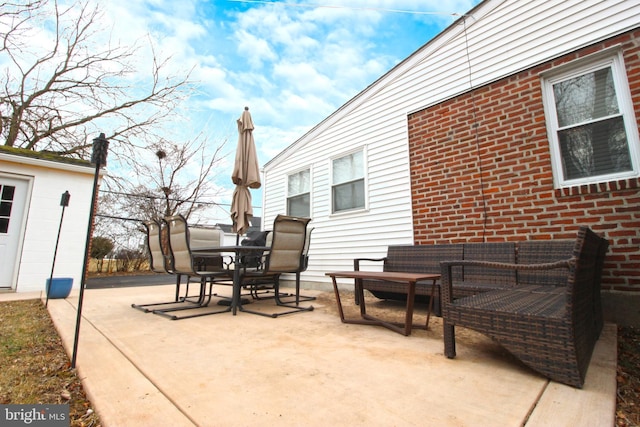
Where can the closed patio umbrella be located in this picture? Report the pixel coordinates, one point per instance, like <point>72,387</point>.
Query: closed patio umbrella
<point>246,174</point>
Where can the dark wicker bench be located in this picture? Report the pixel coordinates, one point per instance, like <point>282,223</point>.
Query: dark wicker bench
<point>471,279</point>
<point>550,320</point>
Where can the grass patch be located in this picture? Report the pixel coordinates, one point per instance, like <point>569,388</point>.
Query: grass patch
<point>628,377</point>
<point>35,366</point>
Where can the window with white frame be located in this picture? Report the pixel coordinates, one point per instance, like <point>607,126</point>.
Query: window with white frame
<point>347,184</point>
<point>591,122</point>
<point>7,193</point>
<point>299,194</point>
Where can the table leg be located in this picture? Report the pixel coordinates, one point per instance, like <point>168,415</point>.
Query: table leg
<point>408,319</point>
<point>367,319</point>
<point>235,296</point>
<point>433,288</point>
<point>404,329</point>
<point>335,290</point>
<point>359,295</point>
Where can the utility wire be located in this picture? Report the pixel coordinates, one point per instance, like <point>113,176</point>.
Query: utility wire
<point>145,196</point>
<point>329,6</point>
<point>476,125</point>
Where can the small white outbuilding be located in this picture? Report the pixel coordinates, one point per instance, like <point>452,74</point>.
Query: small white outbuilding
<point>31,216</point>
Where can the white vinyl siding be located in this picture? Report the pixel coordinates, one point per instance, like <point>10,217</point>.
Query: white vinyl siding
<point>497,39</point>
<point>47,182</point>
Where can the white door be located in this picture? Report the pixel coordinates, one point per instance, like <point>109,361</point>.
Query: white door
<point>13,196</point>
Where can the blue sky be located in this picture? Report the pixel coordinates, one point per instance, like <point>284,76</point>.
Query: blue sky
<point>292,62</point>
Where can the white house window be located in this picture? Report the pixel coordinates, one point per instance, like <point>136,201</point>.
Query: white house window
<point>299,194</point>
<point>347,188</point>
<point>591,123</point>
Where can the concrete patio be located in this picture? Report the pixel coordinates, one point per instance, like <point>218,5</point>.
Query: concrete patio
<point>140,369</point>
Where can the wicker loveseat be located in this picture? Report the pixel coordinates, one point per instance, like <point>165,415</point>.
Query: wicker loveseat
<point>550,320</point>
<point>469,279</point>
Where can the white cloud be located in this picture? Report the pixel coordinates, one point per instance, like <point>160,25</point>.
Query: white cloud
<point>255,50</point>
<point>293,66</point>
<point>303,77</point>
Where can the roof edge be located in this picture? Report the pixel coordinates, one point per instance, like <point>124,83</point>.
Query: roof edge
<point>369,90</point>
<point>38,158</point>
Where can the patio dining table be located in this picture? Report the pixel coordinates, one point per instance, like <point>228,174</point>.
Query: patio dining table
<point>238,265</point>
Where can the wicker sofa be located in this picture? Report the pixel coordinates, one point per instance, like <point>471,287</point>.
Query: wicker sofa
<point>550,320</point>
<point>470,279</point>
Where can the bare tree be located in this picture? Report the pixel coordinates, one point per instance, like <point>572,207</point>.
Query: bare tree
<point>57,97</point>
<point>171,178</point>
<point>57,94</point>
<point>177,180</point>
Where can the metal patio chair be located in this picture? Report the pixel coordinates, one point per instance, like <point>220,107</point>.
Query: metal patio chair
<point>287,254</point>
<point>160,262</point>
<point>259,288</point>
<point>209,270</point>
<point>304,263</point>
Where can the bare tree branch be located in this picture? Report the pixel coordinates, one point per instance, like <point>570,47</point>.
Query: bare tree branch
<point>13,19</point>
<point>53,100</point>
<point>57,96</point>
<point>178,180</point>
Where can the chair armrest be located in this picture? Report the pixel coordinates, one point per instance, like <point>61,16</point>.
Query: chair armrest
<point>259,259</point>
<point>446,267</point>
<point>356,262</point>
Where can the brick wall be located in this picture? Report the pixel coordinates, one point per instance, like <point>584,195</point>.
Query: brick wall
<point>481,171</point>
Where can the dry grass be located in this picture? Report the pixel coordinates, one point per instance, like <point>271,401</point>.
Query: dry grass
<point>628,393</point>
<point>36,368</point>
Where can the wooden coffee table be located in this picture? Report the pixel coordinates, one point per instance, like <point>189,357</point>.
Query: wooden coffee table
<point>409,278</point>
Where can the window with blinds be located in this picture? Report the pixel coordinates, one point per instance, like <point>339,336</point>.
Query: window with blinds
<point>347,189</point>
<point>299,194</point>
<point>591,125</point>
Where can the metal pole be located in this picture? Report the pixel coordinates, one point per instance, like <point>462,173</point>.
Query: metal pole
<point>99,158</point>
<point>64,202</point>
